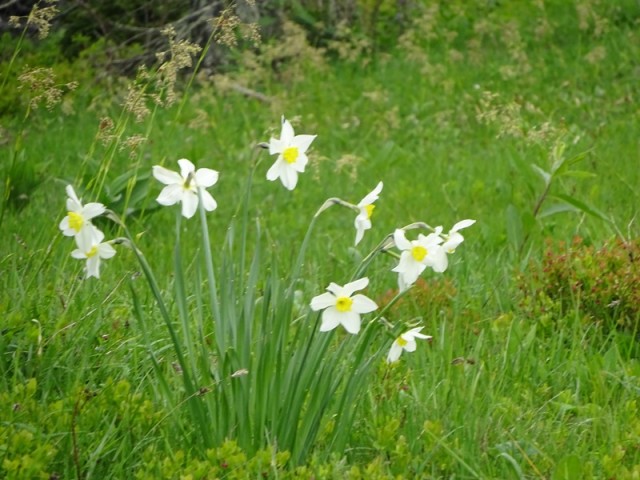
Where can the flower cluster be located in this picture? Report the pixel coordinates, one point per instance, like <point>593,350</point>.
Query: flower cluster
<point>89,239</point>
<point>427,251</point>
<point>340,305</point>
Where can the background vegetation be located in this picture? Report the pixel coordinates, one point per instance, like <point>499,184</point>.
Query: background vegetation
<point>521,115</point>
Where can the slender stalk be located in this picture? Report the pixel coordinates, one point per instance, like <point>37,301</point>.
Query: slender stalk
<point>220,328</point>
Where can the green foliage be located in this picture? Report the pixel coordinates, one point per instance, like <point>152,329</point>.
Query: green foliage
<point>601,283</point>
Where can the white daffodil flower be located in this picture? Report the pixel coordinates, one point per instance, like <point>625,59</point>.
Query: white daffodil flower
<point>341,307</point>
<point>292,158</point>
<point>417,255</point>
<point>92,249</point>
<point>406,341</point>
<point>78,216</point>
<point>366,206</point>
<point>453,238</point>
<point>183,187</point>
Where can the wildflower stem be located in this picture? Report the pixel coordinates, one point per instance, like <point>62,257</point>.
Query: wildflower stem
<point>220,328</point>
<point>381,247</point>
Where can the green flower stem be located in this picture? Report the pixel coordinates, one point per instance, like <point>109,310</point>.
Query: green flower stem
<point>220,327</point>
<point>181,295</point>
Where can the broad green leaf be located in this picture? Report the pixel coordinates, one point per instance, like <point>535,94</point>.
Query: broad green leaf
<point>582,206</point>
<point>557,208</point>
<point>564,166</point>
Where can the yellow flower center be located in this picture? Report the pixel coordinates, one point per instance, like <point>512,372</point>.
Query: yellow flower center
<point>75,221</point>
<point>369,210</point>
<point>343,304</point>
<point>92,252</point>
<point>419,252</point>
<point>401,342</point>
<point>290,154</point>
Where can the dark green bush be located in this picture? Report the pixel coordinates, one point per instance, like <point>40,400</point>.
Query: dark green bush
<point>602,282</point>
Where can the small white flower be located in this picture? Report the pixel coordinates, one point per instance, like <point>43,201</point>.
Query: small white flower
<point>341,308</point>
<point>183,187</point>
<point>92,249</point>
<point>406,341</point>
<point>292,158</point>
<point>366,206</point>
<point>453,238</point>
<point>417,255</point>
<point>78,216</point>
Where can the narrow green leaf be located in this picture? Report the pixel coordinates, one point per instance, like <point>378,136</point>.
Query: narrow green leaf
<point>582,206</point>
<point>514,226</point>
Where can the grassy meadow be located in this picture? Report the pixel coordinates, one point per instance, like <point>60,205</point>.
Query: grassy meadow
<point>196,354</point>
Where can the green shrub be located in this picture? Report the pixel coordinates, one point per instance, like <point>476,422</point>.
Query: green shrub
<point>602,282</point>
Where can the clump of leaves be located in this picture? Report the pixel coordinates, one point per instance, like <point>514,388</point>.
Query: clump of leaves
<point>602,282</point>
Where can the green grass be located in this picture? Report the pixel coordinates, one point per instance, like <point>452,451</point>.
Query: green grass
<point>496,394</point>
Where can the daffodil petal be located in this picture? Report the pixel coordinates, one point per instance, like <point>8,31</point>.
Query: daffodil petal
<point>359,233</point>
<point>92,210</point>
<point>73,205</point>
<point>79,254</point>
<point>371,196</point>
<point>394,352</point>
<point>437,259</point>
<point>402,285</point>
<point>411,345</point>
<point>462,224</point>
<point>170,195</point>
<point>401,240</point>
<point>64,226</point>
<point>189,204</point>
<point>286,134</point>
<point>289,178</point>
<point>208,202</point>
<point>303,142</point>
<point>276,146</point>
<point>166,176</point>
<point>93,266</point>
<point>337,290</point>
<point>322,301</point>
<point>71,193</point>
<point>350,321</point>
<point>363,304</point>
<point>354,286</point>
<point>274,172</point>
<point>301,162</point>
<point>105,250</point>
<point>330,319</point>
<point>186,167</point>
<point>206,177</point>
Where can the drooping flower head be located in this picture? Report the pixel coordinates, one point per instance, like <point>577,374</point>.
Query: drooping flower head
<point>92,249</point>
<point>417,255</point>
<point>183,187</point>
<point>292,158</point>
<point>78,216</point>
<point>407,342</point>
<point>341,307</point>
<point>366,206</point>
<point>454,238</point>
